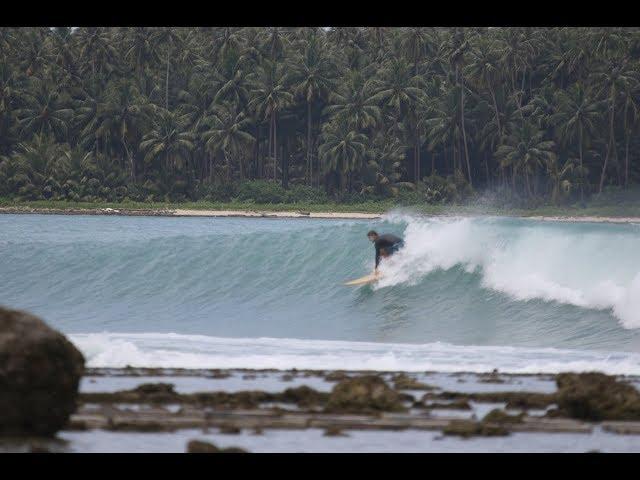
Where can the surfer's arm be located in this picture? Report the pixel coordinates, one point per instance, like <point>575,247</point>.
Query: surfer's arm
<point>377,257</point>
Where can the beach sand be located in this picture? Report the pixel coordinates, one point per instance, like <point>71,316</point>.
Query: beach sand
<point>278,214</point>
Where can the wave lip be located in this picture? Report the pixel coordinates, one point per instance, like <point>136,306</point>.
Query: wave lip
<point>171,350</point>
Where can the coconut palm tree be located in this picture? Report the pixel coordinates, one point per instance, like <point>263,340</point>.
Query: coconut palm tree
<point>228,134</point>
<point>311,77</point>
<point>616,77</point>
<point>269,96</point>
<point>43,111</point>
<point>525,148</point>
<point>168,142</point>
<point>576,120</point>
<point>342,150</point>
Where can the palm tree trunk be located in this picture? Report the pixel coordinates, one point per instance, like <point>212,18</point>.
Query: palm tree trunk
<point>309,166</point>
<point>626,161</point>
<point>464,132</point>
<point>486,166</point>
<point>131,161</point>
<point>166,87</point>
<point>275,147</point>
<point>495,107</point>
<point>285,164</point>
<point>257,153</point>
<point>270,138</point>
<point>581,170</point>
<point>606,158</point>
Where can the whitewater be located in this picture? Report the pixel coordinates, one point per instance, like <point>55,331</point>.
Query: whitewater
<point>465,294</point>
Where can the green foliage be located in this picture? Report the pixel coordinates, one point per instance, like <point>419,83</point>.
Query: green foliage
<point>525,116</point>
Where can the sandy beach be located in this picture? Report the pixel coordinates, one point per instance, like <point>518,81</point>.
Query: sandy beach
<point>276,214</point>
<point>189,213</point>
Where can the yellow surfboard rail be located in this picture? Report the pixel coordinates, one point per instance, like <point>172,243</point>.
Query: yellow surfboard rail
<point>371,278</point>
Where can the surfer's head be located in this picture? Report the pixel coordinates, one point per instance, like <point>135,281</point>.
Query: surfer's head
<point>372,235</point>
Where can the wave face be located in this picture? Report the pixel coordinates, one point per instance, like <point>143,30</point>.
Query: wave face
<point>489,281</point>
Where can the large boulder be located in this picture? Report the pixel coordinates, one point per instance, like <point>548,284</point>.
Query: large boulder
<point>365,394</point>
<point>39,375</point>
<point>596,396</point>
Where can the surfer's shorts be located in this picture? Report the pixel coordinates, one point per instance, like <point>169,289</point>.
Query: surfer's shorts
<point>394,248</point>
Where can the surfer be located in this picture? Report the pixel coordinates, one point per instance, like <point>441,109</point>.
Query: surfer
<point>385,245</point>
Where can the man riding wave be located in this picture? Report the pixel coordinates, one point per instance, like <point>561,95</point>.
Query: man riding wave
<point>385,245</point>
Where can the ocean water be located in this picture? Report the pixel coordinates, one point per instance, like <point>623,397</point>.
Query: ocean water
<point>465,294</point>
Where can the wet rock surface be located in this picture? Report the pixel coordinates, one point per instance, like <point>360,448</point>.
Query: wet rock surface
<point>40,372</point>
<point>198,446</point>
<point>403,381</point>
<point>367,393</point>
<point>596,396</point>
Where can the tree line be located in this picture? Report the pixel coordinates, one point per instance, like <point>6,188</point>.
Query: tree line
<point>150,113</point>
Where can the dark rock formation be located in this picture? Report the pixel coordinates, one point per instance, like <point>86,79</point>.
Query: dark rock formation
<point>198,446</point>
<point>596,396</point>
<point>403,381</point>
<point>39,375</point>
<point>365,394</point>
<point>470,428</point>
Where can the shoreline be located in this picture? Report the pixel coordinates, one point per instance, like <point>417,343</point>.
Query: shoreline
<point>189,213</point>
<point>259,213</point>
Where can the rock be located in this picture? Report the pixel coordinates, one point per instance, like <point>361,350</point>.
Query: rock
<point>336,376</point>
<point>287,377</point>
<point>229,430</point>
<point>500,417</point>
<point>459,404</point>
<point>156,392</point>
<point>469,428</point>
<point>405,382</point>
<point>365,394</point>
<point>492,377</point>
<point>198,446</point>
<point>596,396</point>
<point>303,396</point>
<point>334,432</point>
<point>40,372</point>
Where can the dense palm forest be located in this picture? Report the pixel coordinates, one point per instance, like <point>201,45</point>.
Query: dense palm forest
<point>284,114</point>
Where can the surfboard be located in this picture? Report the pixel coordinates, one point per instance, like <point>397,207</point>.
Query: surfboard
<point>371,278</point>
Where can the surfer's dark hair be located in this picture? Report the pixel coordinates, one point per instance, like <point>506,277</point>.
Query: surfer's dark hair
<point>372,232</point>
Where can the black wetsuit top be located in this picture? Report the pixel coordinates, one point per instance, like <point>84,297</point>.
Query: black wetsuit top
<point>388,242</point>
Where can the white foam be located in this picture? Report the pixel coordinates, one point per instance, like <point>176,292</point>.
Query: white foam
<point>589,269</point>
<point>170,350</point>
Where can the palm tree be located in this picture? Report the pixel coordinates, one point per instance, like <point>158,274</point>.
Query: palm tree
<point>353,103</point>
<point>269,97</point>
<point>229,135</point>
<point>616,76</point>
<point>140,48</point>
<point>485,71</point>
<point>312,80</point>
<point>43,111</point>
<point>168,142</point>
<point>524,149</point>
<point>342,150</point>
<point>170,39</point>
<point>97,51</point>
<point>125,115</point>
<point>576,119</point>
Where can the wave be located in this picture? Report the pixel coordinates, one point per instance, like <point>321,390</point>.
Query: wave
<point>158,350</point>
<point>583,265</point>
<point>460,281</point>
